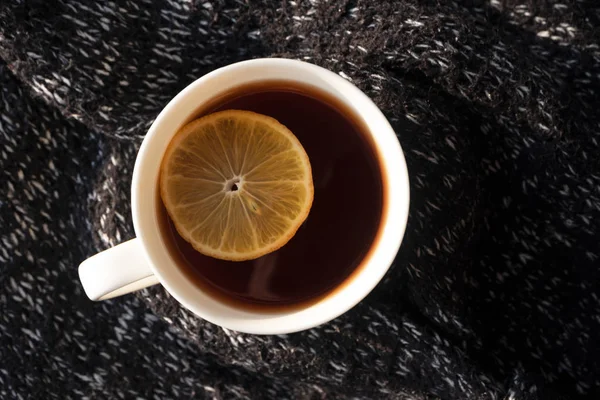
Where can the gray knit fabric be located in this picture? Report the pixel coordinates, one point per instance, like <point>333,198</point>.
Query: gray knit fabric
<point>495,291</point>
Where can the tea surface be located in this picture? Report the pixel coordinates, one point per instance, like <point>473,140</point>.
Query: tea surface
<point>344,219</point>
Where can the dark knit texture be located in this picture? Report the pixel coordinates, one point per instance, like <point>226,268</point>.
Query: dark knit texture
<point>495,293</point>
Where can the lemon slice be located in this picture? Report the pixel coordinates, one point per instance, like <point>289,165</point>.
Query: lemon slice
<point>236,184</point>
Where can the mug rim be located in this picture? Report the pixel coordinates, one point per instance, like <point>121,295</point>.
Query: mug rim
<point>381,254</point>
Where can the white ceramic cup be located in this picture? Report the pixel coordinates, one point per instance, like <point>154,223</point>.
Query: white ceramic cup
<point>145,261</point>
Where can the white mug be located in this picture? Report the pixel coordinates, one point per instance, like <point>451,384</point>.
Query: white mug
<point>145,261</point>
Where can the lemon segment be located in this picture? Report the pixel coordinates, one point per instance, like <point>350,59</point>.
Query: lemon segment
<point>236,184</point>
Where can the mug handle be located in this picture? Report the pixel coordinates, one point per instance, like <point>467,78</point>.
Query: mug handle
<point>117,271</point>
